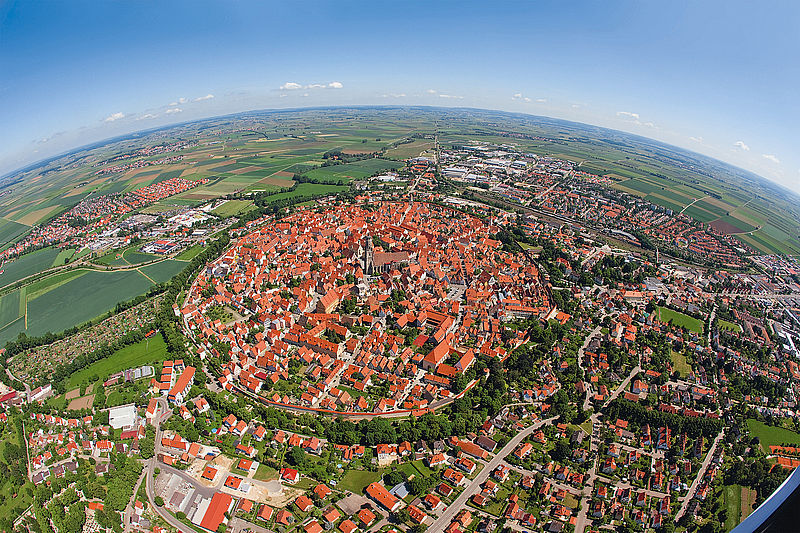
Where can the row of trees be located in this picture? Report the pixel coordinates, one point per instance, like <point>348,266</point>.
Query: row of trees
<point>640,415</point>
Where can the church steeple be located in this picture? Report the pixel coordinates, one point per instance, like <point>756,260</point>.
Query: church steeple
<point>369,255</point>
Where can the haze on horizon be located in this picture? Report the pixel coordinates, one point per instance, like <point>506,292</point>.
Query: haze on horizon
<point>716,78</point>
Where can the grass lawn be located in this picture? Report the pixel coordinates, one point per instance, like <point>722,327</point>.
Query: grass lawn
<point>143,353</point>
<point>13,499</point>
<point>680,364</point>
<point>771,436</point>
<point>730,326</point>
<point>424,470</point>
<point>265,473</point>
<point>680,319</point>
<point>357,480</point>
<point>732,495</point>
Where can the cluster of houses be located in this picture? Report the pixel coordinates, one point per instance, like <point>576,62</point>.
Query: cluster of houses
<point>315,290</point>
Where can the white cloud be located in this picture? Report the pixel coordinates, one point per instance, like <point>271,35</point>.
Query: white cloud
<point>284,95</point>
<point>394,95</point>
<point>292,86</point>
<point>634,118</point>
<point>114,116</point>
<point>626,114</point>
<point>182,100</point>
<point>431,91</point>
<point>206,97</point>
<point>146,116</point>
<point>173,110</point>
<point>305,94</point>
<point>575,106</point>
<point>520,97</point>
<point>696,139</point>
<point>541,100</point>
<point>450,96</point>
<point>742,145</point>
<point>772,158</point>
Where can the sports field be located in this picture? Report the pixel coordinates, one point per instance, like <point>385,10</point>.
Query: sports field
<point>680,319</point>
<point>145,352</point>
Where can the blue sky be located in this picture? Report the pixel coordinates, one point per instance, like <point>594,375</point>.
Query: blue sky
<point>720,78</point>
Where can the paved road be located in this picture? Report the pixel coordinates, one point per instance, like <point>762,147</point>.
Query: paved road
<point>700,474</point>
<point>623,386</point>
<point>128,514</point>
<point>150,467</point>
<point>447,516</point>
<point>595,332</point>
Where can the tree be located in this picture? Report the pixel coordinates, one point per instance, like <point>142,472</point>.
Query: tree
<point>146,447</point>
<point>159,501</point>
<point>296,456</point>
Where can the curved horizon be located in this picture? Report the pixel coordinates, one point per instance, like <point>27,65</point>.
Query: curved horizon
<point>78,74</point>
<point>124,136</point>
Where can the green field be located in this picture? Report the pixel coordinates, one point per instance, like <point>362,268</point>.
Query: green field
<point>732,495</point>
<point>680,319</point>
<point>146,352</point>
<point>352,171</point>
<point>86,297</point>
<point>62,256</point>
<point>233,208</point>
<point>28,265</point>
<point>163,271</point>
<point>771,436</point>
<point>42,286</point>
<point>10,230</point>
<point>357,480</point>
<point>10,308</point>
<point>190,253</point>
<point>307,189</point>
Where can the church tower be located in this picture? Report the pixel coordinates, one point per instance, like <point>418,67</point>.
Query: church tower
<point>369,256</point>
